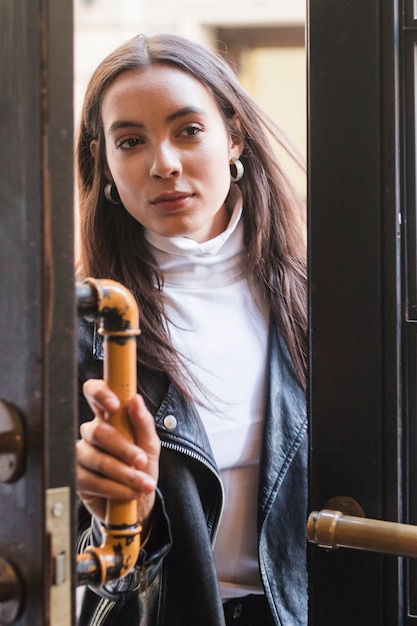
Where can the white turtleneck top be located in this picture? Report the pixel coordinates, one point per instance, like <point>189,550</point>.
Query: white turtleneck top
<point>220,328</point>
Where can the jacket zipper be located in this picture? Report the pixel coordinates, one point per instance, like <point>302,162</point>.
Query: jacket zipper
<point>200,459</point>
<point>106,606</point>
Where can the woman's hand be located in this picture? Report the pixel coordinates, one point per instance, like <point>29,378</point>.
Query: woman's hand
<point>108,465</point>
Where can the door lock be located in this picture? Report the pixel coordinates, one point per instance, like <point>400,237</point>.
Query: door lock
<point>11,443</point>
<point>10,593</point>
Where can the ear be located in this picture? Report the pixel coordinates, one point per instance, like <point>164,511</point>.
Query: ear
<point>94,149</point>
<point>236,143</point>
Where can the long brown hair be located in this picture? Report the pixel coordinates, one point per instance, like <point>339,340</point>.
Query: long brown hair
<point>112,242</point>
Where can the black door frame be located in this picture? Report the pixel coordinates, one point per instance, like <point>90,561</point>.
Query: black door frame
<point>354,194</point>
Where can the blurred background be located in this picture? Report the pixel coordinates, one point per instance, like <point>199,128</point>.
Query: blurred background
<point>264,38</point>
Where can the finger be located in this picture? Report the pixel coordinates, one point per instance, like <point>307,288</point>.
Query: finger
<point>96,506</point>
<point>100,474</point>
<point>105,437</point>
<point>143,424</point>
<point>95,485</point>
<point>100,397</point>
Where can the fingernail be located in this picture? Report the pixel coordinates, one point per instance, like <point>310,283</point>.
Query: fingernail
<point>139,461</point>
<point>149,484</point>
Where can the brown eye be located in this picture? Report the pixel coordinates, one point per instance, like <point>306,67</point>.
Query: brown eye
<point>192,130</point>
<point>130,142</point>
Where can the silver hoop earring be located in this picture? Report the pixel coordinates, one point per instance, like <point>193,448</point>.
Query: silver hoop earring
<point>111,193</point>
<point>238,166</point>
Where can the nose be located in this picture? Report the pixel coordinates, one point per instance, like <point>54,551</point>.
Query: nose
<point>165,161</point>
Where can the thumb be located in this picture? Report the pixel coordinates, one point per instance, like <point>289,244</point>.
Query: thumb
<point>143,425</point>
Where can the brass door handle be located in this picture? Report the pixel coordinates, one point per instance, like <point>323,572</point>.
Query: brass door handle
<point>332,529</point>
<point>115,307</point>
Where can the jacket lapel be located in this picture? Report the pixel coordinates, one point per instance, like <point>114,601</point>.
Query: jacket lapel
<point>285,421</point>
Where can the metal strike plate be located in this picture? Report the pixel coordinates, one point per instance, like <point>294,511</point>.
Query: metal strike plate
<point>10,593</point>
<point>11,443</point>
<point>59,528</point>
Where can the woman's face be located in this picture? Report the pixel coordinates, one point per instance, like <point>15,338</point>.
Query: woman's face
<point>168,151</point>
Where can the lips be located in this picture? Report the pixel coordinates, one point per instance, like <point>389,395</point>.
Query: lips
<point>172,201</point>
<point>171,197</point>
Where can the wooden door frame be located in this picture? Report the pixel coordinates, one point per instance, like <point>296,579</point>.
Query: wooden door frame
<point>37,306</point>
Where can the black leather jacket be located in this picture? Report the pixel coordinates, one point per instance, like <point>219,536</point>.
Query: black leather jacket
<point>174,582</point>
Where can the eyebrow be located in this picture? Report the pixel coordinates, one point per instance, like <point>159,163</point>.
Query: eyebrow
<point>124,124</point>
<point>171,118</point>
<point>183,112</point>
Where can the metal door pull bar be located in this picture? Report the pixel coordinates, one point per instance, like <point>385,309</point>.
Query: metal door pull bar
<point>332,529</point>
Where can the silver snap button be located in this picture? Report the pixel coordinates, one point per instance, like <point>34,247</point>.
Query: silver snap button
<point>170,422</point>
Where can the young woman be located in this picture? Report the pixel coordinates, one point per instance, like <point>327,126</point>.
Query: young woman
<point>183,201</point>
